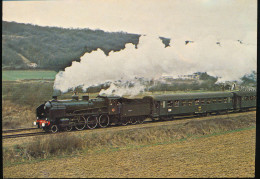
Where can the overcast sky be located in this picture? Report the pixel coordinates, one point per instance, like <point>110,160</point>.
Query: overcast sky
<point>188,19</point>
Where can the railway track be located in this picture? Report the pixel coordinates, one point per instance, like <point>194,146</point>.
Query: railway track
<point>23,135</point>
<point>177,118</point>
<point>24,132</point>
<point>18,130</point>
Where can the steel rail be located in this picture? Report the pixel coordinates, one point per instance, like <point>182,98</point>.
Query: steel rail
<point>23,135</point>
<point>18,130</point>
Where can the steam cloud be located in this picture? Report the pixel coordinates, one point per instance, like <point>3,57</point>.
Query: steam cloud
<point>228,59</point>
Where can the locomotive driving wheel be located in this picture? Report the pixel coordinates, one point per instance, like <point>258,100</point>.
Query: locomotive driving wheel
<point>141,120</point>
<point>124,121</point>
<point>54,128</point>
<point>81,122</point>
<point>92,122</point>
<point>134,120</point>
<point>68,128</point>
<point>103,120</point>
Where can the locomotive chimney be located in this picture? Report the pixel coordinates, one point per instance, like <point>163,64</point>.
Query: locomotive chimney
<point>54,97</point>
<point>85,98</point>
<point>75,96</point>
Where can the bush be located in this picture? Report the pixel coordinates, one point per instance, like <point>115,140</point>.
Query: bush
<point>44,147</point>
<point>54,145</point>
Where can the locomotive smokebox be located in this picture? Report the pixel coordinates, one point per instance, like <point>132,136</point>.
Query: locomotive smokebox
<point>85,98</point>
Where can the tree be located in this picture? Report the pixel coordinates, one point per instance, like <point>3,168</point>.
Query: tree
<point>249,78</point>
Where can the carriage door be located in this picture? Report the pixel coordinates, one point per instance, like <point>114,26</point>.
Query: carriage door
<point>237,101</point>
<point>156,108</point>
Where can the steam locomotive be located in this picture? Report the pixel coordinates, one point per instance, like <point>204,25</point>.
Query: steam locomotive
<point>102,111</point>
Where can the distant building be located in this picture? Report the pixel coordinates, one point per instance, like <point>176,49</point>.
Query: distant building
<point>189,77</point>
<point>194,76</point>
<point>167,77</point>
<point>32,65</point>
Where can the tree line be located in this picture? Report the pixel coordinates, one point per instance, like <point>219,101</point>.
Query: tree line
<point>55,48</point>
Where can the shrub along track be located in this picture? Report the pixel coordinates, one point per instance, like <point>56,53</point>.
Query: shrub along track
<point>148,124</point>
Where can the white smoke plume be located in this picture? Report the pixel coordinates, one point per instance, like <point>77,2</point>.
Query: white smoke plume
<point>228,59</point>
<point>132,88</point>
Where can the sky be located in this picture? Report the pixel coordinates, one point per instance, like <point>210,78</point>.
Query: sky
<point>190,19</point>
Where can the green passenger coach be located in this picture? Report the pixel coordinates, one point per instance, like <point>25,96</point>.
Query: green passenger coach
<point>195,103</point>
<point>244,99</point>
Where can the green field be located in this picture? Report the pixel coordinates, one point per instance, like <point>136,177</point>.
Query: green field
<point>12,75</point>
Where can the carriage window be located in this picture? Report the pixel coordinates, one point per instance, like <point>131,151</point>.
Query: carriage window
<point>208,101</point>
<point>176,103</point>
<point>225,100</point>
<point>190,103</point>
<point>246,98</point>
<point>202,101</point>
<point>170,104</point>
<point>214,100</point>
<point>163,104</point>
<point>251,97</point>
<point>184,103</point>
<point>220,100</point>
<point>197,101</point>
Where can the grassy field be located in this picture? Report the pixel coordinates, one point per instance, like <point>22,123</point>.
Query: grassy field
<point>222,147</point>
<point>12,75</point>
<point>229,155</point>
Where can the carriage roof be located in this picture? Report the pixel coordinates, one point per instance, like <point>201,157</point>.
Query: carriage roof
<point>190,96</point>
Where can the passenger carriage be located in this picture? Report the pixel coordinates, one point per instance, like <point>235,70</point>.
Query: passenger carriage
<point>244,100</point>
<point>193,103</point>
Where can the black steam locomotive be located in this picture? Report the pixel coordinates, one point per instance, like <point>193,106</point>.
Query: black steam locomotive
<point>103,111</point>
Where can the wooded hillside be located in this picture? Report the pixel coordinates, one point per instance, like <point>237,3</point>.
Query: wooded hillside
<point>55,48</point>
